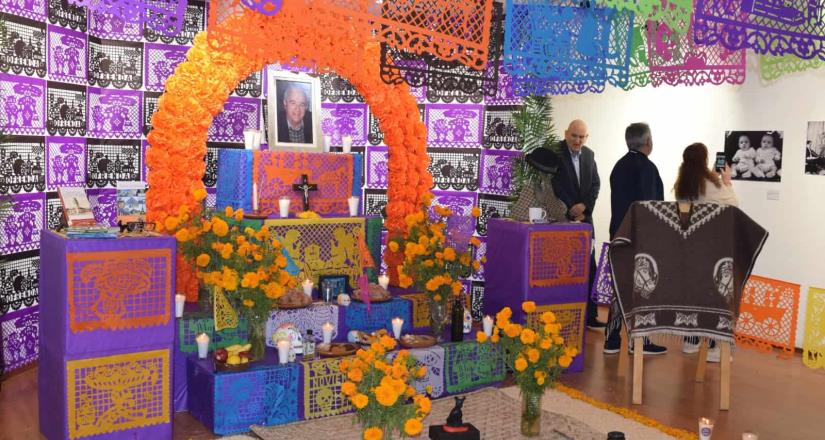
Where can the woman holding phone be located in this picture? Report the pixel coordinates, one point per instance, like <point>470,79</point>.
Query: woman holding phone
<point>697,183</point>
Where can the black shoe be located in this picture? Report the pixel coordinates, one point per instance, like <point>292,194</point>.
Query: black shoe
<point>650,348</point>
<point>612,346</point>
<point>596,325</point>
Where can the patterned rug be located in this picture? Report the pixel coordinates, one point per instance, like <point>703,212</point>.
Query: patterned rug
<point>495,413</point>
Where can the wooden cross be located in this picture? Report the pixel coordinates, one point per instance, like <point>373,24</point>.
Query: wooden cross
<point>306,187</point>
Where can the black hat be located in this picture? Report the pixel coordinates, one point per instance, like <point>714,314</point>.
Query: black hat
<point>543,160</point>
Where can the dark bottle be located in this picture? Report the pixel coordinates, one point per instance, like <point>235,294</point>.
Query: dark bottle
<point>457,326</point>
<point>615,435</point>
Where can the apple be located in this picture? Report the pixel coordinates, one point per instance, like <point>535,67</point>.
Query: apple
<point>244,355</point>
<point>221,355</point>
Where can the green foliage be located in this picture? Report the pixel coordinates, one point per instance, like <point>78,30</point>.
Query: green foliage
<point>534,123</point>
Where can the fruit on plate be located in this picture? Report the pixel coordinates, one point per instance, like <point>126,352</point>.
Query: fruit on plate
<point>221,355</point>
<point>233,360</point>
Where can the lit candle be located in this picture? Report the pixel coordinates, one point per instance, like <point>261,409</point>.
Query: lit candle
<point>397,323</point>
<point>747,435</point>
<point>179,300</point>
<point>353,206</point>
<point>383,280</point>
<point>705,428</point>
<point>487,322</point>
<point>347,143</point>
<point>203,345</point>
<point>307,284</point>
<point>327,329</point>
<point>254,197</point>
<point>283,350</point>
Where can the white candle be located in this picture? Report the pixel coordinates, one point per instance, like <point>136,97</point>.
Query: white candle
<point>347,141</point>
<point>487,322</point>
<point>383,280</point>
<point>258,139</point>
<point>254,197</point>
<point>307,284</point>
<point>747,435</point>
<point>353,206</point>
<point>203,345</point>
<point>397,323</point>
<point>327,142</point>
<point>283,204</point>
<point>283,350</point>
<point>179,300</point>
<point>249,139</point>
<point>327,329</point>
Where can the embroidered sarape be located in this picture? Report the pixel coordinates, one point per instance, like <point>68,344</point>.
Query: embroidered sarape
<point>683,273</point>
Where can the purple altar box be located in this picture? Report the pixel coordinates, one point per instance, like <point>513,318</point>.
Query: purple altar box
<point>226,403</point>
<point>545,263</point>
<point>115,394</point>
<point>98,295</point>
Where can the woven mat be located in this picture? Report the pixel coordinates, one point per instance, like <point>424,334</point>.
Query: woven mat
<point>493,412</point>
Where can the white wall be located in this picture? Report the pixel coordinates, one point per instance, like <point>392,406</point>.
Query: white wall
<point>679,116</point>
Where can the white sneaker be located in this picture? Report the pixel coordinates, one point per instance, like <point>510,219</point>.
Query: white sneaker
<point>690,348</point>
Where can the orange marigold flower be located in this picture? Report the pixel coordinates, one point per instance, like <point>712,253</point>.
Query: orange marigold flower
<point>456,286</point>
<point>249,303</point>
<point>373,434</point>
<point>475,242</point>
<point>565,361</point>
<point>202,260</point>
<point>183,235</point>
<point>413,427</point>
<point>520,364</point>
<point>503,317</point>
<point>437,298</point>
<point>528,306</point>
<point>512,330</point>
<point>348,388</point>
<point>355,375</point>
<point>481,336</point>
<point>548,317</point>
<point>545,344</point>
<point>528,336</point>
<point>533,355</point>
<point>388,342</point>
<point>239,215</point>
<point>495,338</point>
<point>475,212</point>
<point>228,211</point>
<point>199,194</point>
<point>360,401</point>
<point>449,254</point>
<point>476,265</point>
<point>393,246</point>
<point>171,223</point>
<point>386,395</point>
<point>206,226</point>
<point>220,227</point>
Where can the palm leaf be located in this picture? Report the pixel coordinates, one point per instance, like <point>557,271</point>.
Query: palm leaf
<point>534,124</point>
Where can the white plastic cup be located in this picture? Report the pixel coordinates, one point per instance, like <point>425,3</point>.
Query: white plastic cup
<point>283,205</point>
<point>203,345</point>
<point>353,206</point>
<point>487,323</point>
<point>179,303</point>
<point>283,351</point>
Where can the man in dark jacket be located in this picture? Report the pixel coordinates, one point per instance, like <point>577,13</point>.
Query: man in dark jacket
<point>294,116</point>
<point>577,185</point>
<point>634,178</point>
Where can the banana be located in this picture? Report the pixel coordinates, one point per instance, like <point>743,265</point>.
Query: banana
<point>246,347</point>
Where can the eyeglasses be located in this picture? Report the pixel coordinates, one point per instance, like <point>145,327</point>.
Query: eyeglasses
<point>578,137</point>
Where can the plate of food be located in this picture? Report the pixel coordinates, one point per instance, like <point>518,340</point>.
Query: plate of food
<point>417,341</point>
<point>377,294</point>
<point>337,349</point>
<point>368,339</point>
<point>232,358</point>
<point>294,299</point>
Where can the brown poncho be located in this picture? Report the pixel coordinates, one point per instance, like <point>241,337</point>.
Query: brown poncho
<point>683,274</point>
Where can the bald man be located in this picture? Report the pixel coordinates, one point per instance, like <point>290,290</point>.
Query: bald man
<point>577,185</point>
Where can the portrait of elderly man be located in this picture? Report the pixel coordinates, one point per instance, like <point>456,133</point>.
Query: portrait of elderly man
<point>294,112</point>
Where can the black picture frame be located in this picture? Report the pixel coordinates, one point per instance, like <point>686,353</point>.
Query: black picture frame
<point>339,284</point>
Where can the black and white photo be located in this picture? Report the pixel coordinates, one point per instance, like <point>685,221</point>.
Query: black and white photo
<point>815,148</point>
<point>754,155</point>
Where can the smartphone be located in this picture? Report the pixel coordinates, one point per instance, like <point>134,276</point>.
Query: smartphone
<point>721,161</point>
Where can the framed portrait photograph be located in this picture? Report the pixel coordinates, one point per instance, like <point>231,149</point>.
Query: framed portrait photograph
<point>337,283</point>
<point>815,149</point>
<point>294,108</point>
<point>754,155</point>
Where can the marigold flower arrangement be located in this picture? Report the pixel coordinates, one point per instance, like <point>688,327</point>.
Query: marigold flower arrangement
<point>244,262</point>
<point>537,356</point>
<point>381,391</point>
<point>430,262</point>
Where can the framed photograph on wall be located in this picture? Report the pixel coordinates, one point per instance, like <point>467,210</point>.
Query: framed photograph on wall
<point>815,149</point>
<point>754,155</point>
<point>294,108</point>
<point>337,283</point>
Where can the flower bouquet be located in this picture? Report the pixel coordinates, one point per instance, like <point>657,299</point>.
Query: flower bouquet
<point>381,391</point>
<point>436,257</point>
<point>536,356</point>
<point>245,264</point>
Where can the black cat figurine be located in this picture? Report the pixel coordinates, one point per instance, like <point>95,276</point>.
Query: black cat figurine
<point>455,417</point>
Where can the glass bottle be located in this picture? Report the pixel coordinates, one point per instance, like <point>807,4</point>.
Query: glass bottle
<point>457,327</point>
<point>309,345</point>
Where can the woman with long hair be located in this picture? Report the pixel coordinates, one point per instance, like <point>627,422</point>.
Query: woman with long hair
<point>697,183</point>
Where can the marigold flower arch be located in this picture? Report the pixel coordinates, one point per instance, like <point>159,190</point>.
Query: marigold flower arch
<point>302,34</point>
